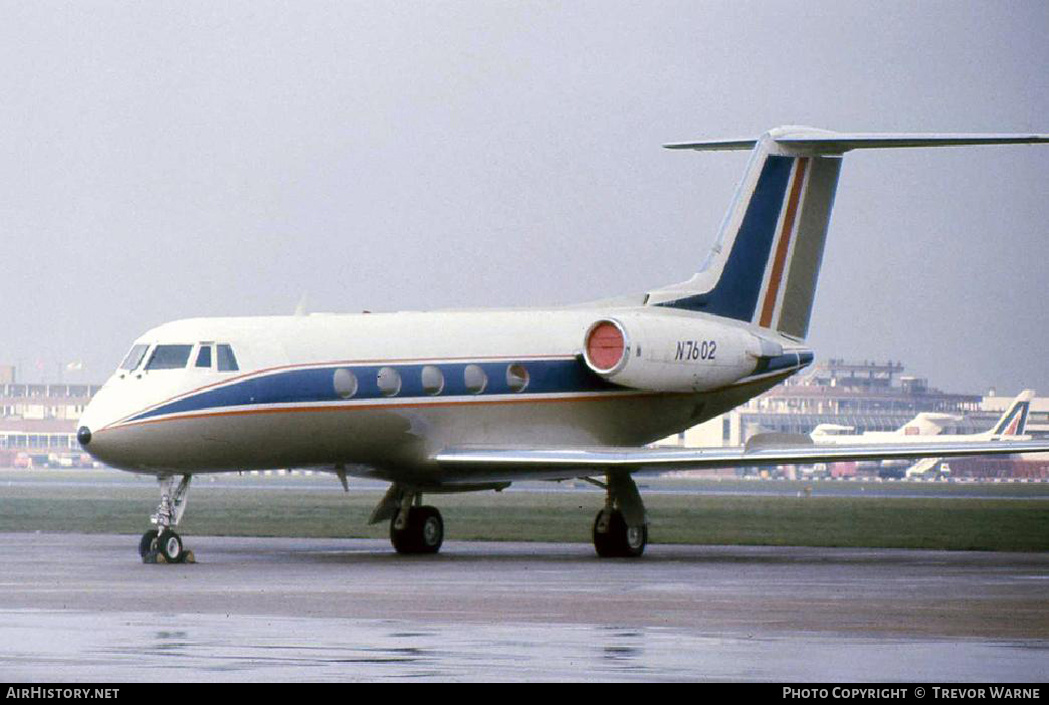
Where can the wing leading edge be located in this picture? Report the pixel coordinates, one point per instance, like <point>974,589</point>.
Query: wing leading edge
<point>472,463</point>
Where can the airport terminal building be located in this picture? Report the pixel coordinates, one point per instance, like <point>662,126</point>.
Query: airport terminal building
<point>871,396</point>
<point>38,422</point>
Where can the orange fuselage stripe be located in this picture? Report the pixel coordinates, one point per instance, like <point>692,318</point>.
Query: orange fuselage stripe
<point>784,244</point>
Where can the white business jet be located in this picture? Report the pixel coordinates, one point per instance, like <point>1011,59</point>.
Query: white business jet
<point>463,401</point>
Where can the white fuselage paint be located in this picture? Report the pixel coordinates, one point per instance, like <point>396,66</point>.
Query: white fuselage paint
<point>878,437</point>
<point>283,407</point>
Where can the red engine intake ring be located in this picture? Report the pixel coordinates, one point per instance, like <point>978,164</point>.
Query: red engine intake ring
<point>605,346</point>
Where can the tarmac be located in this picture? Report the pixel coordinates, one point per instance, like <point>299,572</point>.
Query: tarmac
<point>81,608</point>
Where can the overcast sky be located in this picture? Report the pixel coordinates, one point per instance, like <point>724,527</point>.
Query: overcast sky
<point>171,160</point>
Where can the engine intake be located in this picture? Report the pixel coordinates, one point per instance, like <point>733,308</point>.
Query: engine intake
<point>606,348</point>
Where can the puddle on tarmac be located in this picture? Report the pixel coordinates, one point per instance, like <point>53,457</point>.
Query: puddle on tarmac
<point>69,646</point>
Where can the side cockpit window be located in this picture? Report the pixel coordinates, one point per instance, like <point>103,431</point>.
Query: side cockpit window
<point>204,356</point>
<point>226,359</point>
<point>169,357</point>
<point>134,357</point>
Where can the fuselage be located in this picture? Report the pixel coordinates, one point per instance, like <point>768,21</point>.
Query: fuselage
<point>380,394</point>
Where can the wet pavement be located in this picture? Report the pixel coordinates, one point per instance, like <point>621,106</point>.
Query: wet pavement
<point>78,608</point>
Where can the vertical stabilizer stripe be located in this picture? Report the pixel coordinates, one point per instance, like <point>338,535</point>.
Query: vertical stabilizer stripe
<point>799,287</point>
<point>784,244</point>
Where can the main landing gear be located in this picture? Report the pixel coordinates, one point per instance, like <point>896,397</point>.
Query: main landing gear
<point>421,532</point>
<point>414,528</point>
<point>621,527</point>
<point>163,544</point>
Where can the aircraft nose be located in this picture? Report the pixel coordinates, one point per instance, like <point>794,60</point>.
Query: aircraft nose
<point>96,416</point>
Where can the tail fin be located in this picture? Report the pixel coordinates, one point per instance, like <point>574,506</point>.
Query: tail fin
<point>1014,421</point>
<point>764,266</point>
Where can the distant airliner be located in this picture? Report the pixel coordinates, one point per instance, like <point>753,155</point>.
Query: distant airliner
<point>461,401</point>
<point>1012,425</point>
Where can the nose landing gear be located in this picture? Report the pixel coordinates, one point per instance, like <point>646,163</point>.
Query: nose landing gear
<point>163,544</point>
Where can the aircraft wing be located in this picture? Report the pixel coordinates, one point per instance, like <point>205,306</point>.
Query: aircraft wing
<point>491,464</point>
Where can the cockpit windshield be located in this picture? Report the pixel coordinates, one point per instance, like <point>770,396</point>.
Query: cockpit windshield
<point>177,356</point>
<point>169,357</point>
<point>134,357</point>
<point>227,360</point>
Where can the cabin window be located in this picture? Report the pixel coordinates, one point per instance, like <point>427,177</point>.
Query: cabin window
<point>389,381</point>
<point>226,359</point>
<point>169,357</point>
<point>204,356</point>
<point>516,377</point>
<point>475,379</point>
<point>134,357</point>
<point>345,383</point>
<point>433,380</point>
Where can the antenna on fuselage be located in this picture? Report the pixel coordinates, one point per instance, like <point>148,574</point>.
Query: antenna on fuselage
<point>300,310</point>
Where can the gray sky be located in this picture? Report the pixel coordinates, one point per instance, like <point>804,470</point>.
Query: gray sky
<point>171,160</point>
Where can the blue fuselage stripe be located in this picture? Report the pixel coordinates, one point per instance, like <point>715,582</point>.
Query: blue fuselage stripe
<point>786,361</point>
<point>316,385</point>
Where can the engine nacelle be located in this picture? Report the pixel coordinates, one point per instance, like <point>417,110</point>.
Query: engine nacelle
<point>670,353</point>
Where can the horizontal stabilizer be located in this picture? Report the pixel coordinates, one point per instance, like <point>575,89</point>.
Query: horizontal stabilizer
<point>815,141</point>
<point>715,145</point>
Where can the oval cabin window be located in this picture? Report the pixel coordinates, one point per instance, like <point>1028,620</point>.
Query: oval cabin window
<point>516,377</point>
<point>389,381</point>
<point>345,383</point>
<point>475,379</point>
<point>433,380</point>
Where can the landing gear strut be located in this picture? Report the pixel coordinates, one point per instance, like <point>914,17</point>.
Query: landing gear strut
<point>621,527</point>
<point>163,544</point>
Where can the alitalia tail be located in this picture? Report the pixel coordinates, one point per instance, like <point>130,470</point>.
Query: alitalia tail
<point>460,401</point>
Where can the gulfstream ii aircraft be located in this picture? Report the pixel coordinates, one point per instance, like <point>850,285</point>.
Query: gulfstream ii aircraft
<point>461,401</point>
